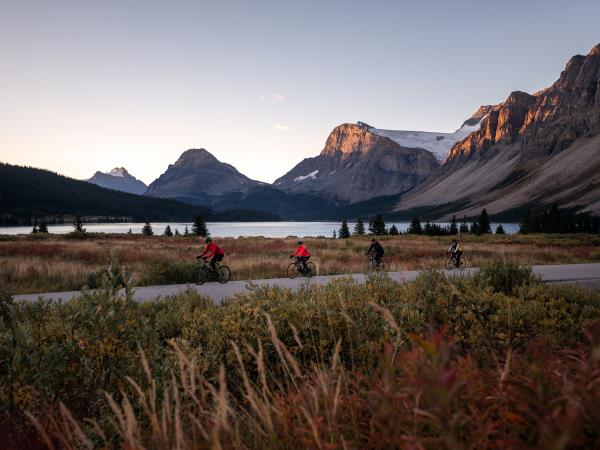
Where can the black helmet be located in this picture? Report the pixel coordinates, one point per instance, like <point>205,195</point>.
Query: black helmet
<point>208,239</point>
<point>300,242</point>
<point>453,240</point>
<point>373,240</point>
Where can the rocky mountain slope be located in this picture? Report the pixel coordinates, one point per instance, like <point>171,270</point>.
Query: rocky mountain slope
<point>119,179</point>
<point>357,164</point>
<point>198,177</point>
<point>530,151</point>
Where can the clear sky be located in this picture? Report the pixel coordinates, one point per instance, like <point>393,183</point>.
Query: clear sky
<point>90,85</point>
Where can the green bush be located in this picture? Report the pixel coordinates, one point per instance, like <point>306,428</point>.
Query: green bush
<point>505,276</point>
<point>167,272</point>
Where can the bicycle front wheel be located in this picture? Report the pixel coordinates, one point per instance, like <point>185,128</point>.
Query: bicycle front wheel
<point>200,275</point>
<point>223,274</point>
<point>311,270</point>
<point>368,268</point>
<point>449,263</point>
<point>293,270</point>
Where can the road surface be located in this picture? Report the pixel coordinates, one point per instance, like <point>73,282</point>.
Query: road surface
<point>587,275</point>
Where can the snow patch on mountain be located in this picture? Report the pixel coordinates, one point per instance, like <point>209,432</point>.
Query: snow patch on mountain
<point>437,143</point>
<point>118,172</point>
<point>304,177</point>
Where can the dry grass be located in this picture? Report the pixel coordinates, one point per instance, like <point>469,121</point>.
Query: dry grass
<point>35,265</point>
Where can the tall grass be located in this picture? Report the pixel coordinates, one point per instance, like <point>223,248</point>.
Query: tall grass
<point>434,363</point>
<point>28,264</point>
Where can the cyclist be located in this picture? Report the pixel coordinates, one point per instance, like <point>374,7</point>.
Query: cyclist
<point>377,250</point>
<point>455,250</point>
<point>214,251</point>
<point>302,254</point>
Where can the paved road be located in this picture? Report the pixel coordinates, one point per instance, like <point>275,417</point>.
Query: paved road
<point>587,275</point>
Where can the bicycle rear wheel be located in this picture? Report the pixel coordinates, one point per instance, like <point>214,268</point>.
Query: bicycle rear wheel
<point>462,263</point>
<point>223,274</point>
<point>311,270</point>
<point>293,270</point>
<point>200,275</point>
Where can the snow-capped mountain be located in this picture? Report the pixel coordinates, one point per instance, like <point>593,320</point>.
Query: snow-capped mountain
<point>437,143</point>
<point>358,164</point>
<point>119,179</point>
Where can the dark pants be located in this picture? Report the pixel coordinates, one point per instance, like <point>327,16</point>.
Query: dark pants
<point>302,261</point>
<point>457,256</point>
<point>378,257</point>
<point>215,259</point>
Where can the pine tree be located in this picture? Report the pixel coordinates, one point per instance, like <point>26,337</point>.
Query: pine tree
<point>415,226</point>
<point>484,223</point>
<point>168,231</point>
<point>453,229</point>
<point>147,230</point>
<point>500,229</point>
<point>34,230</point>
<point>186,232</point>
<point>334,235</point>
<point>130,232</point>
<point>377,225</point>
<point>78,225</point>
<point>427,229</point>
<point>344,232</point>
<point>43,228</point>
<point>394,231</point>
<point>359,228</point>
<point>475,228</point>
<point>464,226</point>
<point>199,228</point>
<point>177,233</point>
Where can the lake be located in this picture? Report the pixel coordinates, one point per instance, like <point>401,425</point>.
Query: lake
<point>230,229</point>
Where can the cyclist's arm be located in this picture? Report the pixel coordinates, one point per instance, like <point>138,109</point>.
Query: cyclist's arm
<point>204,253</point>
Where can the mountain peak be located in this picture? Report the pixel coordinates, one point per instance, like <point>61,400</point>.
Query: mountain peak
<point>120,180</point>
<point>196,156</point>
<point>594,51</point>
<point>119,172</point>
<point>481,112</point>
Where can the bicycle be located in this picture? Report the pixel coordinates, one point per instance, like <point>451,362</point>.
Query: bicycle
<point>450,262</point>
<point>204,273</point>
<point>296,268</point>
<point>371,266</point>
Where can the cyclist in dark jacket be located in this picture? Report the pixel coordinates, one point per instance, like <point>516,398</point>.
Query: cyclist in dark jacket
<point>377,250</point>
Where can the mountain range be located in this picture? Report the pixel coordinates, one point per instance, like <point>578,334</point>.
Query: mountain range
<point>529,151</point>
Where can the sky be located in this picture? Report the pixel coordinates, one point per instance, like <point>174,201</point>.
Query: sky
<point>93,85</point>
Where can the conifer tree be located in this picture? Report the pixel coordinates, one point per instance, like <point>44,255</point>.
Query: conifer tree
<point>464,226</point>
<point>177,233</point>
<point>394,231</point>
<point>377,226</point>
<point>199,228</point>
<point>334,234</point>
<point>415,226</point>
<point>359,228</point>
<point>78,224</point>
<point>130,232</point>
<point>344,232</point>
<point>168,231</point>
<point>484,223</point>
<point>500,229</point>
<point>34,230</point>
<point>453,229</point>
<point>43,228</point>
<point>147,230</point>
<point>186,232</point>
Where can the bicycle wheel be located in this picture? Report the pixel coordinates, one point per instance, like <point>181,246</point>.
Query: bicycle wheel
<point>293,270</point>
<point>200,275</point>
<point>449,261</point>
<point>382,267</point>
<point>223,274</point>
<point>368,268</point>
<point>462,263</point>
<point>311,270</point>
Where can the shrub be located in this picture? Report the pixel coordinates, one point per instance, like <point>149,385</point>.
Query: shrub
<point>167,272</point>
<point>505,276</point>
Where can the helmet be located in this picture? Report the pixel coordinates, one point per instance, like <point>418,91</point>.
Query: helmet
<point>453,240</point>
<point>373,240</point>
<point>208,239</point>
<point>300,242</point>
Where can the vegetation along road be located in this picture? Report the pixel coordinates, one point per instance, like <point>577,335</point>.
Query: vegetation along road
<point>587,275</point>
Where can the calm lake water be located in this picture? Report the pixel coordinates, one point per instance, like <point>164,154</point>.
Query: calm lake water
<point>230,229</point>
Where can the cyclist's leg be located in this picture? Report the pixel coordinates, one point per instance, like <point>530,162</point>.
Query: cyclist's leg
<point>304,261</point>
<point>377,259</point>
<point>458,255</point>
<point>213,262</point>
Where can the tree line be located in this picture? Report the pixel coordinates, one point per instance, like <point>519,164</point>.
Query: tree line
<point>555,220</point>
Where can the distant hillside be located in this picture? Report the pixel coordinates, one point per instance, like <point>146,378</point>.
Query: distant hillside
<point>26,193</point>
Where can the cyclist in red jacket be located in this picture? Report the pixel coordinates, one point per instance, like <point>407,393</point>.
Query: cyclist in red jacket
<point>214,251</point>
<point>302,254</point>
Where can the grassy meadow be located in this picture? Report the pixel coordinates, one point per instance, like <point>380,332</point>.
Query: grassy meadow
<point>42,263</point>
<point>493,361</point>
